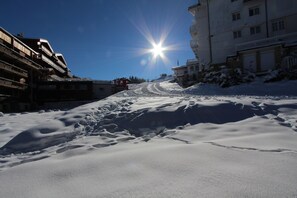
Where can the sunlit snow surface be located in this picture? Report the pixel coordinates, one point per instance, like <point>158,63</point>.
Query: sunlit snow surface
<point>157,140</point>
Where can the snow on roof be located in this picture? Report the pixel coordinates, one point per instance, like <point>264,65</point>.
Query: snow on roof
<point>179,67</point>
<point>59,55</point>
<point>47,43</point>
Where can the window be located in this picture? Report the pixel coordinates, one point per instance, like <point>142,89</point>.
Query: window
<point>278,25</point>
<point>237,34</point>
<point>254,11</point>
<point>255,30</point>
<point>236,16</point>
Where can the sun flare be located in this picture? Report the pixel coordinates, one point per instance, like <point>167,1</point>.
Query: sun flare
<point>157,50</point>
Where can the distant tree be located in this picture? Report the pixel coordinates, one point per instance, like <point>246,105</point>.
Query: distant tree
<point>134,79</point>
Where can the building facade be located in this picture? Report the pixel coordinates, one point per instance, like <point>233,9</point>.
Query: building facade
<point>32,75</point>
<point>24,64</point>
<point>47,57</point>
<point>256,35</point>
<point>186,74</point>
<point>19,72</point>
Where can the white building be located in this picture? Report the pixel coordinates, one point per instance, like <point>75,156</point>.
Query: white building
<point>185,74</point>
<point>253,34</point>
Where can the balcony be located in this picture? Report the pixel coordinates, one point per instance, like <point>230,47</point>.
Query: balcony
<point>194,44</point>
<point>192,62</point>
<point>52,64</point>
<point>17,57</point>
<point>46,51</point>
<point>193,9</point>
<point>13,69</point>
<point>194,30</point>
<point>277,40</point>
<point>4,82</point>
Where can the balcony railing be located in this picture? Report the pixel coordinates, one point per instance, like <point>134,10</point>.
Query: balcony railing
<point>52,64</point>
<point>194,44</point>
<point>192,9</point>
<point>266,42</point>
<point>12,84</point>
<point>46,51</point>
<point>8,51</point>
<point>192,62</point>
<point>194,30</point>
<point>12,69</point>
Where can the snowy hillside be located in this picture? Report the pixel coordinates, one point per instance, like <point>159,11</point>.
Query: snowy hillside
<point>157,140</point>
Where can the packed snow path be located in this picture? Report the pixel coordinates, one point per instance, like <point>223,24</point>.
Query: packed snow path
<point>164,88</point>
<point>157,140</point>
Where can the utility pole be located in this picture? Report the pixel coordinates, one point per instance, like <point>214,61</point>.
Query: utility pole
<point>266,19</point>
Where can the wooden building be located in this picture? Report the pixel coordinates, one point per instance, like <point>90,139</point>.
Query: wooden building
<point>19,72</point>
<point>32,74</point>
<point>57,91</point>
<point>47,57</point>
<point>25,65</point>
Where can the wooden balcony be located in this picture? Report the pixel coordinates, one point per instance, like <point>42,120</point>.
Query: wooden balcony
<point>46,51</point>
<point>61,64</point>
<point>12,84</point>
<point>52,64</point>
<point>10,53</point>
<point>13,69</point>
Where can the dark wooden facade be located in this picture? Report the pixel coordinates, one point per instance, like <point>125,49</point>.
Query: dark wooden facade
<point>47,57</point>
<point>19,71</point>
<point>24,63</point>
<point>32,74</point>
<point>56,91</point>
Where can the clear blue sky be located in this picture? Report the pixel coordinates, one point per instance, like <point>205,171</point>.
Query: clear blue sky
<point>104,39</point>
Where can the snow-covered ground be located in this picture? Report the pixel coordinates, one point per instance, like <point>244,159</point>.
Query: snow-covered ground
<point>157,140</point>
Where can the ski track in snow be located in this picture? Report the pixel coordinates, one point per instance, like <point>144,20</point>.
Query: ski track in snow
<point>277,150</point>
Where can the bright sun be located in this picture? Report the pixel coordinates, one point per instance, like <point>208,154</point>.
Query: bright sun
<point>157,50</point>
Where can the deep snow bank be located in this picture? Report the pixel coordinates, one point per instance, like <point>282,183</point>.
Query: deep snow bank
<point>143,117</point>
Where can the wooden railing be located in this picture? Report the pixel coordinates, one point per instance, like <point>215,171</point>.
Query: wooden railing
<point>13,69</point>
<point>51,63</point>
<point>12,84</point>
<point>10,42</point>
<point>45,50</point>
<point>18,57</point>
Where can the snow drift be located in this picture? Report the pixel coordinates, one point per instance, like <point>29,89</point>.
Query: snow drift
<point>157,140</point>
